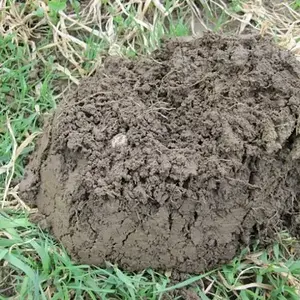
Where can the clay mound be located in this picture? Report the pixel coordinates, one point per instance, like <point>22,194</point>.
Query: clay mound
<point>173,161</point>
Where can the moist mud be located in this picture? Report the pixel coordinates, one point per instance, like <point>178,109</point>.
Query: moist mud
<point>176,161</point>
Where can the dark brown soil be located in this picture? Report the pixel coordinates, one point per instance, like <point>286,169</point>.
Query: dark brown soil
<point>175,161</point>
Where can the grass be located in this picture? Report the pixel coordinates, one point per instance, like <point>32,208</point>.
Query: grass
<point>36,267</point>
<point>45,48</point>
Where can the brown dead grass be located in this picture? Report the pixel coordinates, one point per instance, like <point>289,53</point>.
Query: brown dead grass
<point>97,20</point>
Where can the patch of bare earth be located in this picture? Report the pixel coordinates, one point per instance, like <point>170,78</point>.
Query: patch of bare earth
<point>175,161</point>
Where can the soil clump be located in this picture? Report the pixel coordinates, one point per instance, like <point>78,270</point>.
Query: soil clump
<point>174,161</point>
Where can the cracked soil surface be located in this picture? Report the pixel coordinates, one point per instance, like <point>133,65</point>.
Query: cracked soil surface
<point>174,161</point>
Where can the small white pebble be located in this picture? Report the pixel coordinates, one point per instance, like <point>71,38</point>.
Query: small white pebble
<point>119,140</point>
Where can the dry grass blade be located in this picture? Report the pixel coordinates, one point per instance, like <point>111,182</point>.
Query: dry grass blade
<point>67,72</point>
<point>10,167</point>
<point>253,285</point>
<point>292,281</point>
<point>25,143</point>
<point>160,7</point>
<point>208,288</point>
<point>234,288</point>
<point>83,26</point>
<point>196,16</point>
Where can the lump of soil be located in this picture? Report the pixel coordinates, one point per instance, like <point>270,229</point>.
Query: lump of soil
<point>173,161</point>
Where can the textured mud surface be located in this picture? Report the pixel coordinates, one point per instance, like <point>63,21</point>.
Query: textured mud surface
<point>175,161</point>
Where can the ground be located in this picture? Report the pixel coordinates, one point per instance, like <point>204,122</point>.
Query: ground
<point>150,163</point>
<point>46,47</point>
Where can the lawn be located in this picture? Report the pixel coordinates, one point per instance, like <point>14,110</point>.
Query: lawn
<point>45,48</point>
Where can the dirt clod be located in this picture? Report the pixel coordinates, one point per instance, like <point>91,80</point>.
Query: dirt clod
<point>175,161</point>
